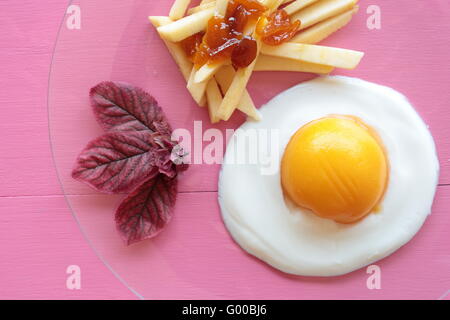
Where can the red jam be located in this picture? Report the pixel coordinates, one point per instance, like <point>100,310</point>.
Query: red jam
<point>190,45</point>
<point>279,28</point>
<point>225,40</point>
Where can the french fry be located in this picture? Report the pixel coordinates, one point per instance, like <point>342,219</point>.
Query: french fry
<point>247,106</point>
<point>272,4</point>
<point>298,5</point>
<point>271,63</point>
<point>221,7</point>
<point>183,63</point>
<point>225,77</point>
<point>178,9</point>
<point>237,88</point>
<point>207,71</point>
<point>197,90</point>
<point>335,57</point>
<point>158,21</point>
<point>201,7</point>
<point>324,29</point>
<point>322,10</point>
<point>187,26</point>
<point>214,98</point>
<point>209,1</point>
<point>234,94</point>
<point>212,3</point>
<point>223,88</point>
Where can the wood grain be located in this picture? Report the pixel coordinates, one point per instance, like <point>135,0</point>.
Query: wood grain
<point>194,257</point>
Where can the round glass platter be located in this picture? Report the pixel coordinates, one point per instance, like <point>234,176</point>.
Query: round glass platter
<point>195,257</point>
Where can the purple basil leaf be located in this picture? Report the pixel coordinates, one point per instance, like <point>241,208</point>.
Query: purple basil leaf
<point>123,107</point>
<point>146,211</point>
<point>120,161</point>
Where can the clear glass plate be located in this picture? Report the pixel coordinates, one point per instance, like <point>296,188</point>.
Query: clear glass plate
<point>195,256</point>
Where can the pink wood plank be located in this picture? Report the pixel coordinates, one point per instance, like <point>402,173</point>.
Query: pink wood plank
<point>27,35</point>
<point>39,239</point>
<point>195,258</point>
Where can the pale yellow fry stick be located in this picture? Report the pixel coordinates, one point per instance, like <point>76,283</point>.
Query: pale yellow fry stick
<point>322,10</point>
<point>158,21</point>
<point>234,94</point>
<point>178,54</point>
<point>184,64</point>
<point>335,57</point>
<point>272,4</point>
<point>207,71</point>
<point>237,87</point>
<point>225,77</point>
<point>324,29</point>
<point>187,26</point>
<point>212,3</point>
<point>201,7</point>
<point>197,90</point>
<point>221,7</point>
<point>178,9</point>
<point>270,63</point>
<point>298,5</point>
<point>214,98</point>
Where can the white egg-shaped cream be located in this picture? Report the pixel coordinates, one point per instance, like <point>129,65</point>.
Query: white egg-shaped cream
<point>267,225</point>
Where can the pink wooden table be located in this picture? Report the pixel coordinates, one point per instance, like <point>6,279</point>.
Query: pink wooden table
<point>40,235</point>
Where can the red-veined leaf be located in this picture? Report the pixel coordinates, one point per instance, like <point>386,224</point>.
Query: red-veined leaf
<point>146,211</point>
<point>136,155</point>
<point>120,161</point>
<point>123,107</point>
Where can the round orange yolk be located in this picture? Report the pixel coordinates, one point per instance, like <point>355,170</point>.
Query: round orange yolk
<point>336,167</point>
